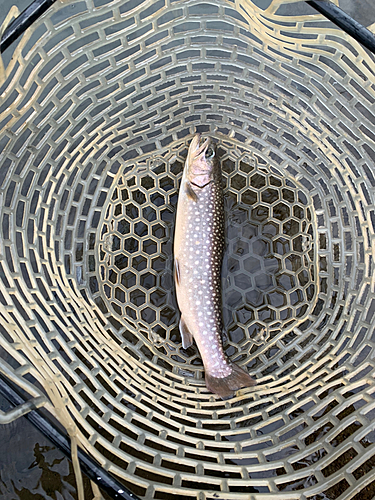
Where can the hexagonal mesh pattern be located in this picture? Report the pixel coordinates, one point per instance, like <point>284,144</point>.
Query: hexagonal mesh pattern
<point>268,273</point>
<point>96,114</point>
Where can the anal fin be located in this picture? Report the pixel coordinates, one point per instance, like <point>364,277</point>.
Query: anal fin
<point>176,271</point>
<point>186,336</point>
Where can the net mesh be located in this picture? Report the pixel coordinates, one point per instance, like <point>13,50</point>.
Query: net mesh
<point>97,110</point>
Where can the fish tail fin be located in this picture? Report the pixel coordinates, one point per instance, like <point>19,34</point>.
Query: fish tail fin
<point>226,387</point>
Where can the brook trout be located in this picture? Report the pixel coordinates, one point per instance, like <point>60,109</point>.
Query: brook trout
<point>198,253</point>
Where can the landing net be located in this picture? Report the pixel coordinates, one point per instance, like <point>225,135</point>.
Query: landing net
<point>96,113</point>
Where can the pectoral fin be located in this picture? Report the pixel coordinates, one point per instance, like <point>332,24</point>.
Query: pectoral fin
<point>224,336</point>
<point>186,336</point>
<point>190,192</point>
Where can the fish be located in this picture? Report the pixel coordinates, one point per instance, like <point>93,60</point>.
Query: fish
<point>198,254</point>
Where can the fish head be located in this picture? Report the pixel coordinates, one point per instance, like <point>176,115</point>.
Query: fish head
<point>201,162</point>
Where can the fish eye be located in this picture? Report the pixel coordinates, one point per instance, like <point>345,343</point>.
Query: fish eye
<point>210,153</point>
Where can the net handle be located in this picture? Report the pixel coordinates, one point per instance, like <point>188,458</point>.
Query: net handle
<point>8,34</point>
<point>89,466</point>
<point>345,22</point>
<point>325,7</point>
<point>13,13</point>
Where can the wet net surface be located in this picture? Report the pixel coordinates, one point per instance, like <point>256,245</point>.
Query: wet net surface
<point>96,116</point>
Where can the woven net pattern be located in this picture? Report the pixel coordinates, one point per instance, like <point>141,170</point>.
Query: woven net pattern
<point>96,114</point>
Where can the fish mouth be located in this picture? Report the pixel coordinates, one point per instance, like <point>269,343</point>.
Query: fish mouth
<point>203,147</point>
<point>200,148</point>
<point>208,149</point>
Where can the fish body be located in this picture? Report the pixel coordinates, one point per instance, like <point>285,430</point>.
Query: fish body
<point>198,253</point>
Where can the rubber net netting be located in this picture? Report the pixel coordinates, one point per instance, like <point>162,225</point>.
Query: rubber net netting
<point>97,110</point>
